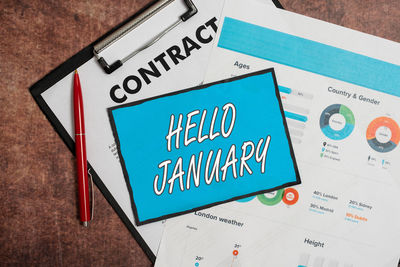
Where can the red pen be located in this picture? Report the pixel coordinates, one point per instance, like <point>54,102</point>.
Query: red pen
<point>80,151</point>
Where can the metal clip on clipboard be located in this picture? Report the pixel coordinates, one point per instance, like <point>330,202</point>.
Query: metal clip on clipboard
<point>131,25</point>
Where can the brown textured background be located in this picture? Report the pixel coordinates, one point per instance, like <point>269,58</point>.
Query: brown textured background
<point>38,211</point>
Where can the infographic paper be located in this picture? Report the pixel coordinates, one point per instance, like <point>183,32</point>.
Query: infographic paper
<point>340,92</point>
<point>203,146</point>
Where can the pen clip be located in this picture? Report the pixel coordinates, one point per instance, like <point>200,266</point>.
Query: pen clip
<point>92,195</point>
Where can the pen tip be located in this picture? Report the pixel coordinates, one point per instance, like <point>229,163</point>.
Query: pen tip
<point>76,71</point>
<point>86,224</point>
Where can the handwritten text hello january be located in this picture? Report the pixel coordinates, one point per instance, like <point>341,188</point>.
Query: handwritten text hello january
<point>215,167</point>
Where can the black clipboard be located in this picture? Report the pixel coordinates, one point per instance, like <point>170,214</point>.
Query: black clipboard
<point>62,71</point>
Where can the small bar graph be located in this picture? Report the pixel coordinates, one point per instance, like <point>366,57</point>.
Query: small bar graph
<point>295,109</point>
<point>289,91</point>
<point>284,89</point>
<point>296,124</point>
<point>295,132</point>
<point>295,116</point>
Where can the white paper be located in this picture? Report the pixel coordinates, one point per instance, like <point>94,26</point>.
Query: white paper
<point>348,213</point>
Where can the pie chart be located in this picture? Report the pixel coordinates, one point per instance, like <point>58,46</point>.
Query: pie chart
<point>272,198</point>
<point>337,122</point>
<point>383,134</point>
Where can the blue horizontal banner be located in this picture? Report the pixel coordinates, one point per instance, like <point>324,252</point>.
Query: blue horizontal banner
<point>310,56</point>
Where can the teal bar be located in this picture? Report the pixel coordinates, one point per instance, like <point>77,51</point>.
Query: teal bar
<point>295,116</point>
<point>284,89</point>
<point>310,56</point>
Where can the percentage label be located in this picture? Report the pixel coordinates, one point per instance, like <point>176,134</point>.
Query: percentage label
<point>352,202</point>
<point>317,193</point>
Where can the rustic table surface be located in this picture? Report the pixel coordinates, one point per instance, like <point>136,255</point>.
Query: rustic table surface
<point>38,212</point>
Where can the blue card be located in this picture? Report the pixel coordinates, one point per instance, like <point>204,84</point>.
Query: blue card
<point>204,146</point>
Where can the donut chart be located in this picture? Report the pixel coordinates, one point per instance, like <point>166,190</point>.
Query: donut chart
<point>383,134</point>
<point>271,199</point>
<point>290,196</point>
<point>337,122</point>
